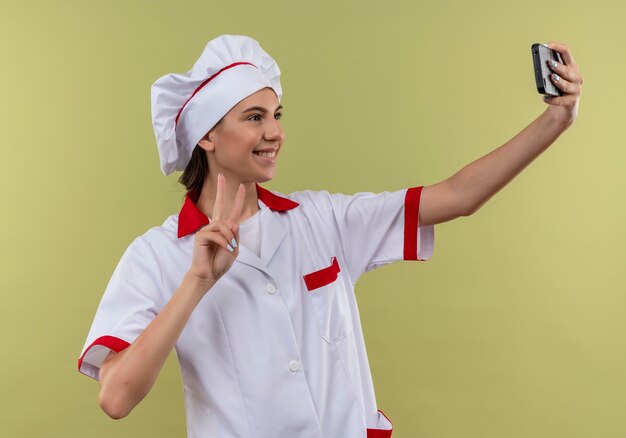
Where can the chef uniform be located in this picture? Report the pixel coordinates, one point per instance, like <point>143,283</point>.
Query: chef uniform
<point>275,348</point>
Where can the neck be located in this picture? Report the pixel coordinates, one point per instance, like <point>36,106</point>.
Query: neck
<point>206,201</point>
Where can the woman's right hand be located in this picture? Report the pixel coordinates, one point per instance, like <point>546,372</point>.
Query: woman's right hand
<point>127,377</point>
<point>214,251</point>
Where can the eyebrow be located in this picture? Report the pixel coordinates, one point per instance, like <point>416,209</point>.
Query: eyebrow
<point>261,109</point>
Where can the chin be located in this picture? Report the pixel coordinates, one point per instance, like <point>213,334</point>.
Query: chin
<point>267,175</point>
<point>264,179</point>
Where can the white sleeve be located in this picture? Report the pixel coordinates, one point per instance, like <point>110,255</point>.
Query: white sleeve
<point>376,229</point>
<point>132,299</point>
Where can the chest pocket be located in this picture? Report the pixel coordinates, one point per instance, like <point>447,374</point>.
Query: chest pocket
<point>328,295</point>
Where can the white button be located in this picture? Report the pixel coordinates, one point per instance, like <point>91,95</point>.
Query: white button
<point>271,288</point>
<point>294,365</point>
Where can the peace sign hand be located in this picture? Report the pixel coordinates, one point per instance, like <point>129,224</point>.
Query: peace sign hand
<point>216,245</point>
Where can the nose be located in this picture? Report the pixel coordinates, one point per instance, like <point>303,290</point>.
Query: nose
<point>274,131</point>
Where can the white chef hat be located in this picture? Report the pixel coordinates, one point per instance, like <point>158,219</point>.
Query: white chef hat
<point>186,106</point>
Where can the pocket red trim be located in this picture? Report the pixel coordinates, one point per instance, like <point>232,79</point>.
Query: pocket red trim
<point>377,433</point>
<point>322,277</point>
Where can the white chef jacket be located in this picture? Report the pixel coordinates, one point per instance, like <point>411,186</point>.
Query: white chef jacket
<point>275,348</point>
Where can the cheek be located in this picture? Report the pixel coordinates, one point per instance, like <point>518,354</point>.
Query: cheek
<point>249,138</point>
<point>234,141</point>
<point>240,139</point>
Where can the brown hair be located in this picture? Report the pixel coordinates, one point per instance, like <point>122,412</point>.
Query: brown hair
<point>194,174</point>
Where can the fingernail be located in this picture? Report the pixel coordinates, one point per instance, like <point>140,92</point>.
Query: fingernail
<point>556,78</point>
<point>230,248</point>
<point>233,243</point>
<point>545,45</point>
<point>553,63</point>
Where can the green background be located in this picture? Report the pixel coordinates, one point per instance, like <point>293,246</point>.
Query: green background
<point>516,326</point>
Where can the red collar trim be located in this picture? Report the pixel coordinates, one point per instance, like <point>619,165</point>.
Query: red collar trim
<point>274,202</point>
<point>190,218</point>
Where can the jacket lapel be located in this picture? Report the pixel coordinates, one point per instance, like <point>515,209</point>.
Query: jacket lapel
<point>191,219</point>
<point>272,235</point>
<point>249,258</point>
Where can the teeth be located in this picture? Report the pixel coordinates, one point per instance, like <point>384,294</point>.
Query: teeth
<point>266,154</point>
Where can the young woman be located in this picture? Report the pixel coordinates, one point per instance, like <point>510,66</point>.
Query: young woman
<point>254,289</point>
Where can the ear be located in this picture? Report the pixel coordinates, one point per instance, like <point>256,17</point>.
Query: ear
<point>206,143</point>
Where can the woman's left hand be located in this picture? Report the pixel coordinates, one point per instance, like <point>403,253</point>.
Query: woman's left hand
<point>567,78</point>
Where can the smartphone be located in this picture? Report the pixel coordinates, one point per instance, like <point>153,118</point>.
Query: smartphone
<point>541,56</point>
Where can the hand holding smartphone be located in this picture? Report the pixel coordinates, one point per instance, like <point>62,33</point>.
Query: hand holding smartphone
<point>541,56</point>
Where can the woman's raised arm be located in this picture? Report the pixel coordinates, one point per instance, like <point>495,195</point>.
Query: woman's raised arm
<point>469,189</point>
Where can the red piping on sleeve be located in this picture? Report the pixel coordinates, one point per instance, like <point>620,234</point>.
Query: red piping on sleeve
<point>411,218</point>
<point>110,342</point>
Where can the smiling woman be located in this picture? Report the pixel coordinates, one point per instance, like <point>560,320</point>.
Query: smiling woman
<point>265,323</point>
<point>244,144</point>
<point>242,118</point>
<point>258,319</point>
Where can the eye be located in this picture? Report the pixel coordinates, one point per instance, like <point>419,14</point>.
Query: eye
<point>278,116</point>
<point>255,117</point>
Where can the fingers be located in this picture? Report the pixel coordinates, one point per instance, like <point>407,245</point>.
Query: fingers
<point>229,227</point>
<point>567,82</point>
<point>235,213</point>
<point>235,230</point>
<point>569,73</point>
<point>565,86</point>
<point>218,207</point>
<point>220,233</point>
<point>220,201</point>
<point>567,56</point>
<point>566,77</point>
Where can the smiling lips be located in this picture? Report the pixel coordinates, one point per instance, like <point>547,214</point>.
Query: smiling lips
<point>268,153</point>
